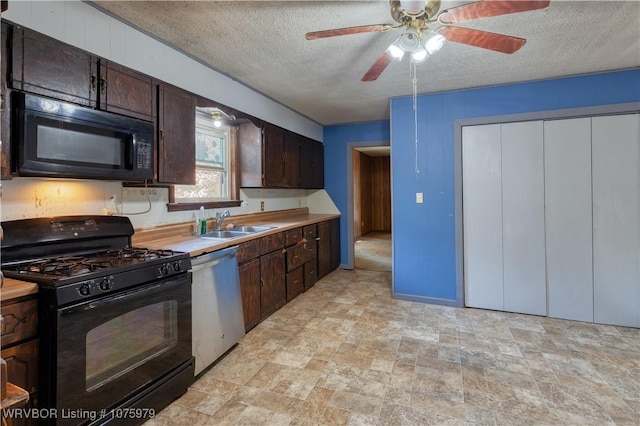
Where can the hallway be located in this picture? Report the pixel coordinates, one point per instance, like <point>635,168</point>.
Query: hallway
<point>372,252</point>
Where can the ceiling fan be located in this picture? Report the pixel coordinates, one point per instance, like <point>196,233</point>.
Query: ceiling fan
<point>415,17</point>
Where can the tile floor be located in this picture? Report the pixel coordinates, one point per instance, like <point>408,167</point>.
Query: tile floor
<point>344,352</point>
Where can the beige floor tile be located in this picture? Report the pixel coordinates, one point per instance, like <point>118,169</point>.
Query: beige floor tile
<point>345,353</point>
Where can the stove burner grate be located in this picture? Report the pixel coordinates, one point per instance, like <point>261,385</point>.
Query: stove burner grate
<point>138,253</point>
<point>66,266</point>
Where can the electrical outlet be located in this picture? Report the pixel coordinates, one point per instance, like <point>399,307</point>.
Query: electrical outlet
<point>419,198</point>
<point>150,191</point>
<point>261,206</point>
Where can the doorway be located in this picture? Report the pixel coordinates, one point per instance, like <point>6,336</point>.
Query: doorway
<point>372,208</point>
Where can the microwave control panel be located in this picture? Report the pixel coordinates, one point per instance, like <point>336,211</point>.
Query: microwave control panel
<point>144,155</point>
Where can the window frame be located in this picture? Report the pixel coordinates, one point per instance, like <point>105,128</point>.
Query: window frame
<point>234,189</point>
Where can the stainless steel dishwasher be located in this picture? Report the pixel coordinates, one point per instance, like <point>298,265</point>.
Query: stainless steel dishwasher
<point>217,319</point>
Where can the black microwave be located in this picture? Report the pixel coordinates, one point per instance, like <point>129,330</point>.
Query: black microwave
<point>59,139</point>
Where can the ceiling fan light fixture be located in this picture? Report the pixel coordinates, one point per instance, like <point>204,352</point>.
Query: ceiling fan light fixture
<point>395,51</point>
<point>409,40</point>
<point>419,54</point>
<point>432,41</point>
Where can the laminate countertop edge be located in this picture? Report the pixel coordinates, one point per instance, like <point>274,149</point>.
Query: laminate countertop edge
<point>196,245</point>
<point>14,289</point>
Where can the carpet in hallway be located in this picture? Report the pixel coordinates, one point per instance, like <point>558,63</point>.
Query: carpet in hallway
<point>373,252</point>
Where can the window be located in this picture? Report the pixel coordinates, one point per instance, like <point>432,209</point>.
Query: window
<point>212,163</point>
<point>215,180</point>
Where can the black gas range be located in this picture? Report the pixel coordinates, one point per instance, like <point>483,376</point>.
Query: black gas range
<point>83,257</point>
<point>114,321</point>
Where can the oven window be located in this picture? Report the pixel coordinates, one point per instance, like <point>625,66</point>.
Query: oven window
<point>55,143</point>
<point>118,346</point>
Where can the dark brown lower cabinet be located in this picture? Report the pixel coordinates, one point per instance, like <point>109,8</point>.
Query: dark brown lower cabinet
<point>295,283</point>
<point>273,293</point>
<point>296,256</point>
<point>335,244</point>
<point>324,248</point>
<point>271,276</point>
<point>22,370</point>
<point>250,288</point>
<point>310,273</point>
<point>20,350</point>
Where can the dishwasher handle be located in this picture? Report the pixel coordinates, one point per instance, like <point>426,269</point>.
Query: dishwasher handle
<point>210,259</point>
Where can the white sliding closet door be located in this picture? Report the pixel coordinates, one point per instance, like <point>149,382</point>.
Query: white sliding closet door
<point>523,218</point>
<point>482,216</point>
<point>616,216</point>
<point>567,174</point>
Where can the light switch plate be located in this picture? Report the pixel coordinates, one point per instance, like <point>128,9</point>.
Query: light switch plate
<point>419,198</point>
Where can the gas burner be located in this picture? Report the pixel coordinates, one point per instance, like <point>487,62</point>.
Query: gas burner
<point>138,253</point>
<point>65,266</point>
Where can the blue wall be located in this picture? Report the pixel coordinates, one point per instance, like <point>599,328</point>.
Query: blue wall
<point>336,139</point>
<point>424,234</point>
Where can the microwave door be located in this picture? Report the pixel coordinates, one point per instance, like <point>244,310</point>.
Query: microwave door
<point>77,142</point>
<point>60,148</point>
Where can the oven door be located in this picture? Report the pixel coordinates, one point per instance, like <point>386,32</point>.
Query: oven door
<point>108,349</point>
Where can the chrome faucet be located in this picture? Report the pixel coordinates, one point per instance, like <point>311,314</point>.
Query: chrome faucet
<point>220,218</point>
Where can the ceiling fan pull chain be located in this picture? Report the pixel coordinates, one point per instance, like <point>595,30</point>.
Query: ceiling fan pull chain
<point>414,81</point>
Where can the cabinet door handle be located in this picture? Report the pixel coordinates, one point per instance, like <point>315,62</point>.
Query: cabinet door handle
<point>94,80</point>
<point>103,85</point>
<point>161,134</point>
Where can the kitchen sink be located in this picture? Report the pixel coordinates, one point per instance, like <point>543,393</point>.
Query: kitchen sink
<point>225,234</point>
<point>235,232</point>
<point>250,229</point>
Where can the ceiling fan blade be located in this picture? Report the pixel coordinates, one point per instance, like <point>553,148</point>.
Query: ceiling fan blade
<point>488,8</point>
<point>492,41</point>
<point>348,30</point>
<point>377,67</point>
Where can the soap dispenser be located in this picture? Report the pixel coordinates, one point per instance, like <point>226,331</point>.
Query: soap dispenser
<point>203,221</point>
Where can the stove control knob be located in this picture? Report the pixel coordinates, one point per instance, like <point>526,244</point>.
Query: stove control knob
<point>164,269</point>
<point>106,284</point>
<point>85,289</point>
<point>177,266</point>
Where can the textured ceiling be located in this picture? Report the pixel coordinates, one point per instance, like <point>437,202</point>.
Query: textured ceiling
<point>262,44</point>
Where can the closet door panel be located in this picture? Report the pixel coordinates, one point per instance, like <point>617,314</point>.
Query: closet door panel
<point>482,216</point>
<point>523,218</point>
<point>568,221</point>
<point>616,213</point>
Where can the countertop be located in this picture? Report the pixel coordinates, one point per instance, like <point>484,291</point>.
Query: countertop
<point>12,289</point>
<point>183,240</point>
<point>178,237</point>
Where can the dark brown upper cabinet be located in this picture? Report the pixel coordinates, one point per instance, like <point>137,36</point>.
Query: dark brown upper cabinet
<point>274,166</point>
<point>5,107</point>
<point>125,91</point>
<point>49,67</point>
<point>273,157</point>
<point>176,135</point>
<point>292,159</point>
<point>311,164</point>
